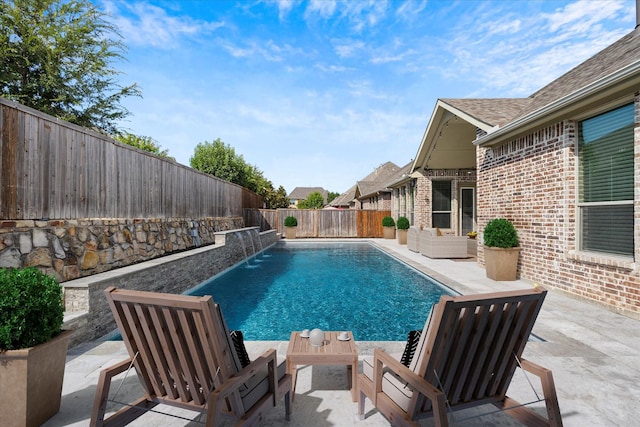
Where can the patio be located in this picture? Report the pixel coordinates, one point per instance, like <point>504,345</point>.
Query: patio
<point>594,354</point>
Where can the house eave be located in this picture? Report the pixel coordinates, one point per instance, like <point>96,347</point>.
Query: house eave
<point>374,194</point>
<point>614,88</point>
<point>442,114</point>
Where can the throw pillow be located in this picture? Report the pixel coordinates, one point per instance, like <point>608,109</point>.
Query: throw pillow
<point>241,351</point>
<point>410,348</point>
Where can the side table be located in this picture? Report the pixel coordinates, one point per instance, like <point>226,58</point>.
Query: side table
<point>332,352</point>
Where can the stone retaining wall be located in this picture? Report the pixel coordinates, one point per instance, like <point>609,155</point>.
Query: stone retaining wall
<point>87,312</point>
<point>70,249</point>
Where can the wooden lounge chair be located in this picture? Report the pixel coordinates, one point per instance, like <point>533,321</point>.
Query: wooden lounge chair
<point>183,356</point>
<point>467,356</point>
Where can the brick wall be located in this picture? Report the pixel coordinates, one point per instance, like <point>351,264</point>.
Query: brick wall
<point>422,207</point>
<point>532,182</point>
<point>381,202</point>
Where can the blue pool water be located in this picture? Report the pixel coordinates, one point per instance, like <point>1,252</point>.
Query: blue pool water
<point>331,286</point>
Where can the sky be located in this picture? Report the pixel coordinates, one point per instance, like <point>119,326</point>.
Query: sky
<point>319,93</point>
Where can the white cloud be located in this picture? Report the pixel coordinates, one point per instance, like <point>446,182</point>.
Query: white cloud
<point>410,10</point>
<point>285,6</point>
<point>268,50</point>
<point>143,24</point>
<point>363,14</point>
<point>528,57</point>
<point>384,58</point>
<point>323,8</point>
<point>345,48</point>
<point>579,16</point>
<point>332,68</point>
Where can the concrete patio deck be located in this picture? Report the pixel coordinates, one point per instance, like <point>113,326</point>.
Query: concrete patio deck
<point>594,354</point>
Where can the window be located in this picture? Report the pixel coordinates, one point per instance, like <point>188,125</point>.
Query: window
<point>441,204</point>
<point>605,199</point>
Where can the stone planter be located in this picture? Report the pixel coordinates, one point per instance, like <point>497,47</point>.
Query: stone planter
<point>290,232</point>
<point>389,232</point>
<point>501,264</point>
<point>31,386</point>
<point>402,237</point>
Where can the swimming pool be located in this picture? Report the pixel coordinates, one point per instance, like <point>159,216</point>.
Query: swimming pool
<point>331,286</point>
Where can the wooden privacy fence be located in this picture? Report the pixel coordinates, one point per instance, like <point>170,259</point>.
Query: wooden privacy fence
<point>320,223</point>
<point>53,169</point>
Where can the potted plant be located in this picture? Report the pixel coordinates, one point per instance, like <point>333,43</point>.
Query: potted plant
<point>33,347</point>
<point>389,227</point>
<point>403,225</point>
<point>290,223</point>
<point>501,250</point>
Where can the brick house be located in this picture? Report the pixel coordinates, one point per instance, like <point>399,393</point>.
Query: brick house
<point>563,165</point>
<point>372,191</point>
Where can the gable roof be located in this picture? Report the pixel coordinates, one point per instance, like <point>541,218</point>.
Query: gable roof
<point>370,188</point>
<point>376,182</point>
<point>446,143</point>
<point>370,184</point>
<point>490,112</point>
<point>345,198</point>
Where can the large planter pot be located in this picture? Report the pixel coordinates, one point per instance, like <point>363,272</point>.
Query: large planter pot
<point>31,386</point>
<point>389,232</point>
<point>501,264</point>
<point>290,232</point>
<point>402,237</point>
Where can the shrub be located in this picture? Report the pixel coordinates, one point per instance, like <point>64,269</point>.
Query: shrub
<point>387,221</point>
<point>500,233</point>
<point>403,223</point>
<point>31,306</point>
<point>290,221</point>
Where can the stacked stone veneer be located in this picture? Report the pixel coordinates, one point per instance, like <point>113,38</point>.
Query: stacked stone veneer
<point>532,182</point>
<point>86,309</point>
<point>69,249</point>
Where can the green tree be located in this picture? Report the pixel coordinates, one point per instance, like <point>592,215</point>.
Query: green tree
<point>219,159</point>
<point>145,143</point>
<point>55,57</point>
<point>314,200</point>
<point>275,199</point>
<point>331,196</point>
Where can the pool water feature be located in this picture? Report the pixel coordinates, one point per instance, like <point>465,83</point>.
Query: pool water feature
<point>331,286</point>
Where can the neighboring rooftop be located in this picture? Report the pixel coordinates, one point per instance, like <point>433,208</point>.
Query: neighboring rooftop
<point>345,199</point>
<point>301,193</point>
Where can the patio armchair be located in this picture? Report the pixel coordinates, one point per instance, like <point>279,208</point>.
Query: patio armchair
<point>435,245</point>
<point>184,356</point>
<point>466,356</point>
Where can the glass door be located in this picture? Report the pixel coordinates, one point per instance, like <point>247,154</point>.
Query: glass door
<point>467,210</point>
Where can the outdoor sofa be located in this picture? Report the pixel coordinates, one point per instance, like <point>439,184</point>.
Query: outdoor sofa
<point>435,245</point>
